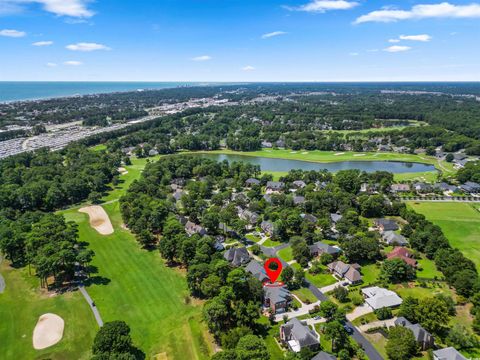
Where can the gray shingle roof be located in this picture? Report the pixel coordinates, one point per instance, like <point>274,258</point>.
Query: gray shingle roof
<point>237,256</point>
<point>276,294</point>
<point>449,353</point>
<point>320,247</point>
<point>295,330</point>
<point>257,270</point>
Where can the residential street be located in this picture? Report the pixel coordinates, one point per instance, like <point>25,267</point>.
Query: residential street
<point>370,351</point>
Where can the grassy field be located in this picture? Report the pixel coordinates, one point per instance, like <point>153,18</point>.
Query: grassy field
<point>131,284</point>
<point>135,286</point>
<point>20,306</point>
<point>460,223</point>
<point>305,295</point>
<point>286,254</point>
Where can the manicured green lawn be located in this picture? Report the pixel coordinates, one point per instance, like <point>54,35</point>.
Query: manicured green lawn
<point>428,269</point>
<point>286,254</point>
<point>320,280</point>
<point>20,306</point>
<point>305,295</point>
<point>142,291</point>
<point>252,238</point>
<point>420,292</point>
<point>271,243</point>
<point>460,223</point>
<point>370,273</point>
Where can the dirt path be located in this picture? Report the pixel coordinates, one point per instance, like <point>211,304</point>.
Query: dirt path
<point>99,219</point>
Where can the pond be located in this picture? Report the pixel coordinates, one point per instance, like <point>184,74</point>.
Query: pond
<point>269,164</point>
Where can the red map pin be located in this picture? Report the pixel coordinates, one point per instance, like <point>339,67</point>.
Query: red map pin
<point>273,274</point>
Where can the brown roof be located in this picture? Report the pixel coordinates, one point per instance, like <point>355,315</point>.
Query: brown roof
<point>403,254</point>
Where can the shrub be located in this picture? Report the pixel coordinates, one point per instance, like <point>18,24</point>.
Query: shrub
<point>383,313</point>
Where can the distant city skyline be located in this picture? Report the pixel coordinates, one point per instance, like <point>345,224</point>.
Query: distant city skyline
<point>239,41</point>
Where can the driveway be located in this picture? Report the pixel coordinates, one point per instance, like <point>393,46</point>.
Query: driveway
<point>329,288</point>
<point>304,310</point>
<point>359,311</point>
<point>375,324</point>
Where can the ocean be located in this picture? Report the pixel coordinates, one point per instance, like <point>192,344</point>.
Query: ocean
<point>33,90</point>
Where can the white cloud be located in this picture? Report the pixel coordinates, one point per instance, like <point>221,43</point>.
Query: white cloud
<point>12,33</point>
<point>422,37</point>
<point>73,63</point>
<point>202,58</point>
<point>321,6</point>
<point>86,47</point>
<point>422,11</point>
<point>73,8</point>
<point>393,40</point>
<point>248,68</point>
<point>51,64</point>
<point>273,34</point>
<point>397,48</point>
<point>354,54</point>
<point>42,43</point>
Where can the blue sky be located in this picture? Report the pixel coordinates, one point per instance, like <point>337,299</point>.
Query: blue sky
<point>233,40</point>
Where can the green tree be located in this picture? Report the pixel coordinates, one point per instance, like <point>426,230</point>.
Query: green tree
<point>396,270</point>
<point>251,347</point>
<point>401,344</point>
<point>113,341</point>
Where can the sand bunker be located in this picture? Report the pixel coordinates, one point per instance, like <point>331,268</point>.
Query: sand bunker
<point>48,331</point>
<point>359,154</point>
<point>99,219</point>
<point>122,170</point>
<point>336,154</point>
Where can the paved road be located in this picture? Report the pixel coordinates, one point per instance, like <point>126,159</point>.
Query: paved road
<point>92,305</point>
<point>370,351</point>
<point>79,274</point>
<point>367,347</point>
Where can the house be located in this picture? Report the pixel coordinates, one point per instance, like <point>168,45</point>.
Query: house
<point>276,298</point>
<point>320,248</point>
<point>280,143</point>
<point>378,298</point>
<point>257,270</point>
<point>237,256</point>
<point>399,188</point>
<point>192,228</point>
<point>368,188</point>
<point>448,353</point>
<point>403,254</point>
<point>298,200</point>
<point>309,218</point>
<point>266,144</point>
<point>178,194</point>
<point>459,156</point>
<point>471,187</point>
<point>252,182</point>
<point>392,238</point>
<point>268,227</point>
<point>442,186</point>
<point>322,355</point>
<point>299,184</point>
<point>275,186</point>
<point>152,152</point>
<point>422,336</point>
<point>345,271</point>
<point>421,187</point>
<point>181,219</point>
<point>335,218</point>
<point>298,336</point>
<point>267,198</point>
<point>247,215</point>
<point>386,224</point>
